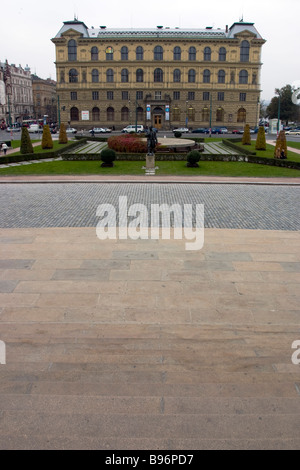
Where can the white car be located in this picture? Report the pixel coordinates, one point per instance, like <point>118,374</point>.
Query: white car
<point>71,130</point>
<point>293,132</point>
<point>97,130</point>
<point>133,128</point>
<point>183,130</point>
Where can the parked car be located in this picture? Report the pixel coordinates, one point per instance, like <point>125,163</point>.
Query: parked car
<point>35,128</point>
<point>217,130</point>
<point>97,130</point>
<point>71,130</point>
<point>133,128</point>
<point>107,130</point>
<point>293,132</point>
<point>237,131</point>
<point>13,129</point>
<point>183,130</point>
<point>201,130</point>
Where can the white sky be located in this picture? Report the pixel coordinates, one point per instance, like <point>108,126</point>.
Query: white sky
<point>28,26</point>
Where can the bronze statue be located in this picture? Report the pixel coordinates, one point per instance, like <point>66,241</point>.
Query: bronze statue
<point>151,141</point>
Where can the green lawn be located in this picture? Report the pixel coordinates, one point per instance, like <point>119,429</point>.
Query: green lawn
<point>234,169</point>
<point>269,152</point>
<point>38,148</point>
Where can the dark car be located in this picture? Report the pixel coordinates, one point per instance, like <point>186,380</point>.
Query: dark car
<point>216,130</point>
<point>201,130</point>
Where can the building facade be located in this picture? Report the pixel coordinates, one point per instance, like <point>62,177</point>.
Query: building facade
<point>162,77</point>
<point>44,99</point>
<point>16,92</point>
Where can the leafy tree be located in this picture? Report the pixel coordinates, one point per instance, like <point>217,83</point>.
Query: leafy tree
<point>246,140</point>
<point>281,144</point>
<point>288,110</point>
<point>63,138</point>
<point>26,144</point>
<point>47,142</point>
<point>261,139</point>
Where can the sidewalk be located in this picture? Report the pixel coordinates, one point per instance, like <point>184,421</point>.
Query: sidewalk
<point>130,345</point>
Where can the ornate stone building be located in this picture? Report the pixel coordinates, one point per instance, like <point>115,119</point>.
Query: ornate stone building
<point>16,89</point>
<point>44,98</point>
<point>162,77</point>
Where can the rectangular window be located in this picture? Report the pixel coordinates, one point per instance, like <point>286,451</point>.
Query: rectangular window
<point>73,95</point>
<point>110,95</point>
<point>191,95</point>
<point>206,96</point>
<point>125,95</point>
<point>95,95</point>
<point>139,95</point>
<point>176,95</point>
<point>243,96</point>
<point>158,95</point>
<point>221,96</point>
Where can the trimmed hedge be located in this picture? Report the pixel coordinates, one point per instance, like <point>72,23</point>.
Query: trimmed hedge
<point>38,156</point>
<point>230,143</point>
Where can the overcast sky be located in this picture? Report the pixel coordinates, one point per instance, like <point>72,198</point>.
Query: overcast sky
<point>28,26</point>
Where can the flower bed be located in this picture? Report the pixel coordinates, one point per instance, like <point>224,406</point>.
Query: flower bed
<point>127,143</point>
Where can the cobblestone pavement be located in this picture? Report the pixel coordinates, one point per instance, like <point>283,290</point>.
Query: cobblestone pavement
<point>233,206</point>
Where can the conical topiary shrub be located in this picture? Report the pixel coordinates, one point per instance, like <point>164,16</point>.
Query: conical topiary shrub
<point>63,138</point>
<point>261,139</point>
<point>26,144</point>
<point>47,142</point>
<point>246,140</point>
<point>281,145</point>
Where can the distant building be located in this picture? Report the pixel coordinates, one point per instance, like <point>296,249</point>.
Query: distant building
<point>164,77</point>
<point>16,92</point>
<point>44,98</point>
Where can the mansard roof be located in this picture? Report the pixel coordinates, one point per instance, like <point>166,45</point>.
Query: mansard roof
<point>104,33</point>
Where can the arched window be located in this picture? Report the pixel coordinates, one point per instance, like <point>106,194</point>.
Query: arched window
<point>140,114</point>
<point>95,76</point>
<point>192,53</point>
<point>109,51</point>
<point>158,76</point>
<point>221,76</point>
<point>245,51</point>
<point>94,53</point>
<point>139,75</point>
<point>205,114</point>
<point>96,114</point>
<point>243,77</point>
<point>191,114</point>
<point>192,76</point>
<point>206,76</point>
<point>124,53</point>
<point>207,53</point>
<point>110,76</point>
<point>222,54</point>
<point>139,53</point>
<point>124,76</point>
<point>73,76</point>
<point>177,76</point>
<point>242,114</point>
<point>177,53</point>
<point>176,114</point>
<point>74,114</point>
<point>110,112</point>
<point>125,114</point>
<point>72,50</point>
<point>220,115</point>
<point>158,53</point>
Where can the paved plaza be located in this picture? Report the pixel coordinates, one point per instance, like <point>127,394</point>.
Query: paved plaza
<point>131,345</point>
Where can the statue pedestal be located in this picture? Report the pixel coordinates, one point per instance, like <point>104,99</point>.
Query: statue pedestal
<point>150,165</point>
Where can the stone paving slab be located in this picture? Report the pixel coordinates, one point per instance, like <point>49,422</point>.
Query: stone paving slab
<point>128,345</point>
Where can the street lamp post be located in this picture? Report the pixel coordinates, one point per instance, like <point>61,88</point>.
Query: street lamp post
<point>210,114</point>
<point>278,123</point>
